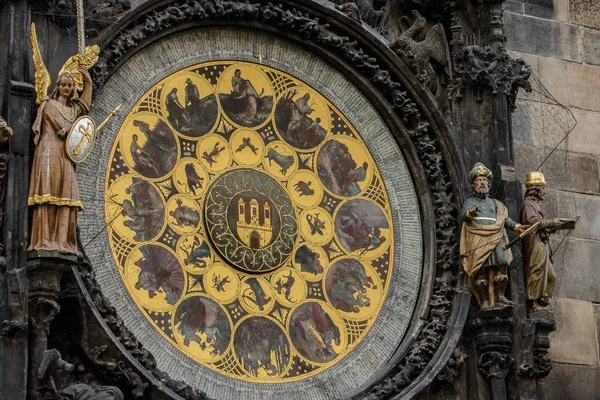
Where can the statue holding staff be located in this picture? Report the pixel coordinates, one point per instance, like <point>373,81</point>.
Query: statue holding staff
<point>537,254</point>
<point>482,241</point>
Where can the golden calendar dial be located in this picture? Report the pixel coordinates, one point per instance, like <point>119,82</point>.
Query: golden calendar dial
<point>251,225</point>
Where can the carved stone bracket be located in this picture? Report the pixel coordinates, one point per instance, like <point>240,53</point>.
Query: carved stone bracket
<point>493,343</point>
<point>482,68</point>
<point>542,363</point>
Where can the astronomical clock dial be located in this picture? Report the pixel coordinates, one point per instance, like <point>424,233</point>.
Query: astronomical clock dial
<point>252,218</point>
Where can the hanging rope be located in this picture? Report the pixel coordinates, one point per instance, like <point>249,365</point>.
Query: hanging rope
<point>80,27</point>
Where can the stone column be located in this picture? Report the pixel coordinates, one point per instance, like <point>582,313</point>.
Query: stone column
<point>493,342</point>
<point>44,276</point>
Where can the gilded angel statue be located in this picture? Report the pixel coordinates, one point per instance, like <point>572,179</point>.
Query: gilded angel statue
<point>54,190</point>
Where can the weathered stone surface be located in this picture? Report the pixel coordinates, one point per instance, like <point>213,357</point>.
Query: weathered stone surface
<point>584,173</point>
<point>521,123</point>
<point>591,46</point>
<point>553,74</point>
<point>540,12</point>
<point>580,274</point>
<point>567,382</point>
<point>588,226</point>
<point>584,82</point>
<point>584,138</point>
<point>543,37</point>
<point>597,315</point>
<point>586,12</point>
<point>513,6</point>
<point>574,341</point>
<point>561,10</point>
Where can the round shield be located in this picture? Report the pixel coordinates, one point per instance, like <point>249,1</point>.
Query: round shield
<point>80,139</point>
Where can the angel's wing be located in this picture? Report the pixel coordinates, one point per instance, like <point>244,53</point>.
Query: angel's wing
<point>42,77</point>
<point>87,60</point>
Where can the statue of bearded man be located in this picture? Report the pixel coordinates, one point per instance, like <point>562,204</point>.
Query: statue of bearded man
<point>482,241</point>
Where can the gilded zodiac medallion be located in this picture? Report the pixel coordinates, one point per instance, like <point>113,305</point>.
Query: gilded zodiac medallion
<point>249,221</point>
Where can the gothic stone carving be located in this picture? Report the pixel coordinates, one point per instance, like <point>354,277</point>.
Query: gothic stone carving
<point>542,363</point>
<point>483,68</point>
<point>493,341</point>
<point>422,55</point>
<point>288,18</point>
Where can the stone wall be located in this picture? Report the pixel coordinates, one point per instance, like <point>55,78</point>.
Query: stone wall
<point>561,41</point>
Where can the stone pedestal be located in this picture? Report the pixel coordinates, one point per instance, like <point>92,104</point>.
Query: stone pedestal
<point>44,275</point>
<point>493,329</point>
<point>543,323</point>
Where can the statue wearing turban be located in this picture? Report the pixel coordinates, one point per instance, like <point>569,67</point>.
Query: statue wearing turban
<point>482,241</point>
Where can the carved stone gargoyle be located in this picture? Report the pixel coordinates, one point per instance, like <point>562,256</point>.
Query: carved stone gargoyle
<point>422,56</point>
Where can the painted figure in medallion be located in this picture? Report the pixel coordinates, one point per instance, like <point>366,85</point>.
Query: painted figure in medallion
<point>294,122</point>
<point>184,216</point>
<point>194,115</point>
<point>201,320</point>
<point>157,156</point>
<point>314,333</point>
<point>245,105</point>
<point>309,261</point>
<point>261,347</point>
<point>160,272</point>
<point>360,225</point>
<point>145,210</point>
<point>53,189</point>
<point>537,253</point>
<point>482,241</point>
<point>338,170</point>
<point>347,283</point>
<point>196,253</point>
<point>175,109</point>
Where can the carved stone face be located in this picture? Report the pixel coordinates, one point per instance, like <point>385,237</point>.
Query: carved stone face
<point>481,185</point>
<point>66,85</point>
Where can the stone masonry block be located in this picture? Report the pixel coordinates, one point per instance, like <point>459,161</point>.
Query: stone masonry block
<point>545,38</point>
<point>588,227</point>
<point>513,6</point>
<point>553,74</point>
<point>575,340</point>
<point>584,173</point>
<point>591,46</point>
<point>586,13</point>
<point>569,171</point>
<point>584,138</point>
<point>597,315</point>
<point>584,82</point>
<point>580,271</point>
<point>568,382</point>
<point>521,123</point>
<point>540,12</point>
<point>561,10</point>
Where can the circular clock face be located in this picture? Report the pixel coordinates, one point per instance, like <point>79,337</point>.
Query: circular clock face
<point>249,221</point>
